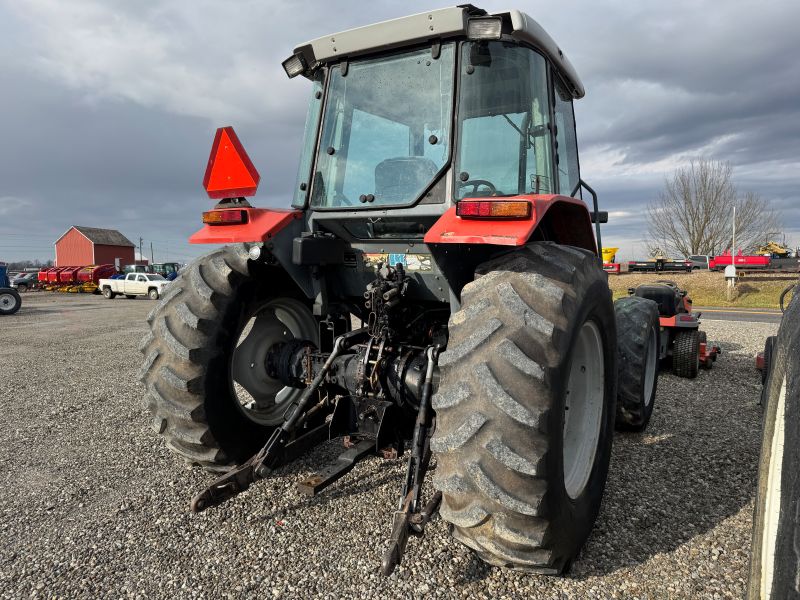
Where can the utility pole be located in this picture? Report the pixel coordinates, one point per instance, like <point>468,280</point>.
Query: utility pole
<point>152,257</point>
<point>141,256</point>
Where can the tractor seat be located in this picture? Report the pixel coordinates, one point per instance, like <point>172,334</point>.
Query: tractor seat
<point>401,180</point>
<point>663,295</point>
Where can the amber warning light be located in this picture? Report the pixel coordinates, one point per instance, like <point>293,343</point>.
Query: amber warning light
<point>230,173</point>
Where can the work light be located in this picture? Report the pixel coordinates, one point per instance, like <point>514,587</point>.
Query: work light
<point>294,65</point>
<point>484,28</point>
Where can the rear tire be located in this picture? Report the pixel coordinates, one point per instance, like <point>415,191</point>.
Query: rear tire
<point>709,363</point>
<point>108,293</point>
<point>686,353</point>
<point>637,361</point>
<point>769,347</point>
<point>190,350</point>
<point>10,301</point>
<point>775,551</point>
<point>22,288</point>
<point>522,477</point>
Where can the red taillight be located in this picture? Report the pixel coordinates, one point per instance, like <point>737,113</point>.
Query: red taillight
<point>686,318</point>
<point>225,217</point>
<point>494,209</point>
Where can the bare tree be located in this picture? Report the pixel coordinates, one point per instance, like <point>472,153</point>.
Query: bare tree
<point>694,212</point>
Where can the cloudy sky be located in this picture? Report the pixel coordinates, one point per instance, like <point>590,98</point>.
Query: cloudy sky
<point>108,107</point>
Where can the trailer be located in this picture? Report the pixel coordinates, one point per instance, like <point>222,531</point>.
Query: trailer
<point>659,265</point>
<point>740,261</point>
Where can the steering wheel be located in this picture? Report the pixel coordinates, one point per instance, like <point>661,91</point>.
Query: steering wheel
<point>477,183</point>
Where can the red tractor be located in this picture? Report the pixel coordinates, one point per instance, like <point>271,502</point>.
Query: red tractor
<point>435,291</point>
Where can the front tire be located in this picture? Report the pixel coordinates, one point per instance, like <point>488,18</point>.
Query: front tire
<point>686,353</point>
<point>152,294</point>
<point>525,407</point>
<point>638,357</point>
<point>10,301</point>
<point>204,356</point>
<point>775,551</point>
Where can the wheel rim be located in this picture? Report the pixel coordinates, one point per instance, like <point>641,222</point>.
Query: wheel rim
<point>8,301</point>
<point>651,362</point>
<point>772,500</point>
<point>583,408</point>
<point>261,398</point>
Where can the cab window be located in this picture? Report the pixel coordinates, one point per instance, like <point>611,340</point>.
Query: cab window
<point>566,141</point>
<point>504,145</point>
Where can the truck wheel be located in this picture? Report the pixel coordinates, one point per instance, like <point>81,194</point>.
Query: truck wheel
<point>204,366</point>
<point>108,293</point>
<point>775,551</point>
<point>525,407</point>
<point>9,301</point>
<point>152,293</point>
<point>686,353</point>
<point>637,360</point>
<point>22,288</point>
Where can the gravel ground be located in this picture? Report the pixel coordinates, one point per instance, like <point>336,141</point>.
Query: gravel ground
<point>93,505</point>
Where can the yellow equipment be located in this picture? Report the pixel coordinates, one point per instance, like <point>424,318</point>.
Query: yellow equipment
<point>609,255</point>
<point>775,250</point>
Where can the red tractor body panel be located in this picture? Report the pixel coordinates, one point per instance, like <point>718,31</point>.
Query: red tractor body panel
<point>261,224</point>
<point>567,218</point>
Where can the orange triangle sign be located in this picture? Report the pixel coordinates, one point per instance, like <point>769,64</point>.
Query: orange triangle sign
<point>229,173</point>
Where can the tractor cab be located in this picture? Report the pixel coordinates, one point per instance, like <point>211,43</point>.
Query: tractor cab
<point>433,141</point>
<point>414,115</point>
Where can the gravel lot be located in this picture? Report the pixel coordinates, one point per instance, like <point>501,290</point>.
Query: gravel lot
<point>93,505</point>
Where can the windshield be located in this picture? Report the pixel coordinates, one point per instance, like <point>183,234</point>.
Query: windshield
<point>386,129</point>
<point>155,277</point>
<point>503,122</point>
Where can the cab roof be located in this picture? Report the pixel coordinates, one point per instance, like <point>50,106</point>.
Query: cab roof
<point>433,25</point>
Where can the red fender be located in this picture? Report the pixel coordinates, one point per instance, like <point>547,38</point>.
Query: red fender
<point>567,219</point>
<point>262,224</point>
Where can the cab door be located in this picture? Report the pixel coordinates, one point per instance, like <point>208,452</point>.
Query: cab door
<point>565,140</point>
<point>141,284</point>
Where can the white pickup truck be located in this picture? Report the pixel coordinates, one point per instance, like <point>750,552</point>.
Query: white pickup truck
<point>134,284</point>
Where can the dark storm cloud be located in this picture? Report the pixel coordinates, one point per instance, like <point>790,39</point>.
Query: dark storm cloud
<point>108,107</point>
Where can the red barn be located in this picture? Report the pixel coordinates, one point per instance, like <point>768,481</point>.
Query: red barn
<point>81,246</point>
